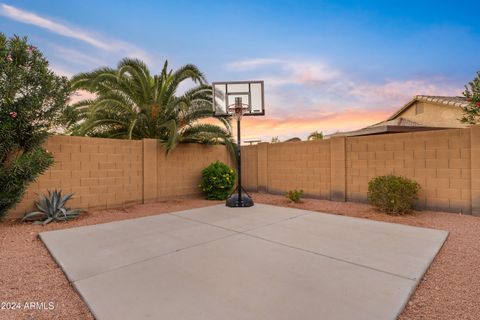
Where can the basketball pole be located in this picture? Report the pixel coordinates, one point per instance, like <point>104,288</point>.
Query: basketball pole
<point>239,164</point>
<point>239,200</point>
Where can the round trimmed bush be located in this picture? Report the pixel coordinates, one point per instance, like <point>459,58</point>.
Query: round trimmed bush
<point>218,180</point>
<point>393,194</point>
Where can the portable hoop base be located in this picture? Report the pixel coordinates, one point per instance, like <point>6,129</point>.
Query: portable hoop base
<point>245,200</point>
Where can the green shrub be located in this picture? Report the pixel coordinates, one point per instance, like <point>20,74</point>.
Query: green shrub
<point>52,208</point>
<point>218,180</point>
<point>32,101</point>
<point>294,195</point>
<point>393,194</point>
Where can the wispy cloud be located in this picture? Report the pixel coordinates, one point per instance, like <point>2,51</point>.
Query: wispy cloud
<point>303,95</point>
<point>77,57</point>
<point>265,128</point>
<point>289,71</point>
<point>99,42</point>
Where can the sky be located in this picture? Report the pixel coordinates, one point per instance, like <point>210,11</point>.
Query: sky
<point>327,65</point>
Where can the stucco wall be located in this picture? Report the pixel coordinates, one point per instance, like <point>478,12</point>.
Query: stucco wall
<point>434,114</point>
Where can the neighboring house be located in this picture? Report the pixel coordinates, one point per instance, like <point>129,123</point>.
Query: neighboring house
<point>419,114</point>
<point>294,139</point>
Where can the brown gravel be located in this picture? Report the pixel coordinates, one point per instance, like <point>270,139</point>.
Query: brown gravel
<point>450,290</point>
<point>29,274</point>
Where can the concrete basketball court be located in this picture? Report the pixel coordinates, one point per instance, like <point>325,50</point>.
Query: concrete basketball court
<point>263,262</point>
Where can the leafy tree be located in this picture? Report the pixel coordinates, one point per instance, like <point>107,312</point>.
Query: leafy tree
<point>131,103</point>
<point>471,113</point>
<point>275,140</point>
<point>32,100</point>
<point>315,136</point>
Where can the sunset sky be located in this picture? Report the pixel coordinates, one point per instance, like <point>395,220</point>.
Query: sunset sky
<point>327,65</point>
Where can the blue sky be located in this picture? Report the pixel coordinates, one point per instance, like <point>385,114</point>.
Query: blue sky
<point>327,65</point>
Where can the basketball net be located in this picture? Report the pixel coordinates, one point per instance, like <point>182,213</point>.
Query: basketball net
<point>238,109</point>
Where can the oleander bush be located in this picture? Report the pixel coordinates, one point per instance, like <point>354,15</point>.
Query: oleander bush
<point>294,195</point>
<point>393,194</point>
<point>217,181</point>
<point>32,101</point>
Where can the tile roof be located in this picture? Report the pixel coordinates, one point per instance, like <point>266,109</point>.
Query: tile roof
<point>451,101</point>
<point>448,101</point>
<point>396,124</point>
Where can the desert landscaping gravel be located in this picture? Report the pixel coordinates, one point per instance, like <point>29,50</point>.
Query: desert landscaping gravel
<point>450,289</point>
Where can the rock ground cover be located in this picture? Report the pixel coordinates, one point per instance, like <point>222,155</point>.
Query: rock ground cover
<point>449,289</point>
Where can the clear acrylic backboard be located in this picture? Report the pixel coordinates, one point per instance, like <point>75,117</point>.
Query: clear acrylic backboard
<point>226,93</point>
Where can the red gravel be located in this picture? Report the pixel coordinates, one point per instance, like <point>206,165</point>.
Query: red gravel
<point>451,287</point>
<point>29,274</point>
<point>450,290</point>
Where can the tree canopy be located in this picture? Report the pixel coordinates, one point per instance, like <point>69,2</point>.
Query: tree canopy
<point>471,113</point>
<point>315,136</point>
<point>131,103</point>
<point>32,103</point>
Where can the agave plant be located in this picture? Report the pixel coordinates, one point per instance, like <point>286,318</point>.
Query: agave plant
<point>52,208</point>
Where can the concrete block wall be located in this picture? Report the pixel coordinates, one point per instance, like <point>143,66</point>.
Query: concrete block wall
<point>101,173</point>
<point>179,172</point>
<point>286,166</point>
<point>105,173</point>
<point>439,161</point>
<point>446,164</point>
<point>250,167</point>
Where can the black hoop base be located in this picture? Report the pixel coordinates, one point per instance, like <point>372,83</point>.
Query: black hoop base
<point>233,200</point>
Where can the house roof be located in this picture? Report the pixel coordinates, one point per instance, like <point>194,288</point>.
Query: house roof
<point>388,126</point>
<point>396,124</point>
<point>448,101</point>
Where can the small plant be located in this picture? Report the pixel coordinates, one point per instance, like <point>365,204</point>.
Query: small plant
<point>294,195</point>
<point>218,180</point>
<point>393,194</point>
<point>52,208</point>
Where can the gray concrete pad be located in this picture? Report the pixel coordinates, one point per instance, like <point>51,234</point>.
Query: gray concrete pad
<point>241,219</point>
<point>402,250</point>
<point>263,262</point>
<point>86,251</point>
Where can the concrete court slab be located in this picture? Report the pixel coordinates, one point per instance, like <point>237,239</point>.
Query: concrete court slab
<point>86,251</point>
<point>402,250</point>
<point>263,262</point>
<point>247,219</point>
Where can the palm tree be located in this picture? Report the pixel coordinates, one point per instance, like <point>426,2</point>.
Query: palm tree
<point>130,103</point>
<point>275,140</point>
<point>315,136</point>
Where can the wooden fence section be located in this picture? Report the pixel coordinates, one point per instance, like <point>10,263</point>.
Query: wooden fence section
<point>446,163</point>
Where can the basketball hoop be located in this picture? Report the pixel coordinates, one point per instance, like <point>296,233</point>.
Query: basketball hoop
<point>238,109</point>
<point>249,101</point>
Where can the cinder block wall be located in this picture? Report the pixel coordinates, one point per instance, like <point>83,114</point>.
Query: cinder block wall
<point>101,172</point>
<point>446,163</point>
<point>179,172</point>
<point>250,167</point>
<point>304,165</point>
<point>439,161</point>
<point>106,173</point>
